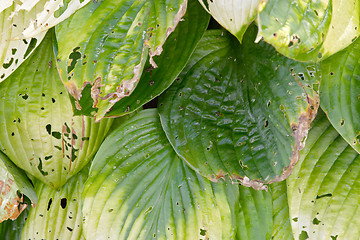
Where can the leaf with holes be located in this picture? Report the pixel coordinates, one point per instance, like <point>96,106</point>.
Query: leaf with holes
<point>240,110</point>
<point>177,51</point>
<point>58,212</point>
<point>15,190</point>
<point>282,226</point>
<point>340,88</point>
<point>23,26</point>
<point>39,132</point>
<point>139,189</point>
<point>234,15</point>
<point>310,30</point>
<point>324,189</point>
<point>104,47</point>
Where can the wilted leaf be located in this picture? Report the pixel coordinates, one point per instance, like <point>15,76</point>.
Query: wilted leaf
<point>324,189</point>
<point>23,25</point>
<point>38,130</point>
<point>139,189</point>
<point>240,110</point>
<point>13,186</point>
<point>177,51</point>
<point>58,212</point>
<point>104,47</point>
<point>234,15</point>
<point>309,30</point>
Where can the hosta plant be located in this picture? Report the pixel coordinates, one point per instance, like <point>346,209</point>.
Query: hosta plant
<point>179,119</point>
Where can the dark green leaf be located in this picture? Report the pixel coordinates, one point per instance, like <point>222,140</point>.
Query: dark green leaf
<point>240,110</point>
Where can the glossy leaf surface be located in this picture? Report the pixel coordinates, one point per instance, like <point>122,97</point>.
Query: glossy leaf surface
<point>240,110</point>
<point>309,30</point>
<point>233,15</point>
<point>39,132</point>
<point>139,189</point>
<point>177,51</point>
<point>13,186</point>
<point>103,48</point>
<point>339,89</point>
<point>58,212</point>
<point>324,189</point>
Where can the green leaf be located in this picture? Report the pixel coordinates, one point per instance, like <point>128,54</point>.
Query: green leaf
<point>11,230</point>
<point>58,212</point>
<point>177,51</point>
<point>254,219</point>
<point>106,44</point>
<point>324,189</point>
<point>282,226</point>
<point>310,30</point>
<point>23,25</point>
<point>39,132</point>
<point>139,189</point>
<point>13,186</point>
<point>234,15</point>
<point>339,88</point>
<point>240,110</point>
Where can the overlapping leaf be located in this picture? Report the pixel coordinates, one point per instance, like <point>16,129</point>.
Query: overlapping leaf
<point>11,230</point>
<point>38,130</point>
<point>340,89</point>
<point>103,48</point>
<point>23,25</point>
<point>324,189</point>
<point>234,15</point>
<point>309,30</point>
<point>139,189</point>
<point>58,212</point>
<point>13,186</point>
<point>281,227</point>
<point>177,51</point>
<point>240,110</point>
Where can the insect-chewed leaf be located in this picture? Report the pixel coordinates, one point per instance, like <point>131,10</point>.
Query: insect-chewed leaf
<point>58,212</point>
<point>324,189</point>
<point>339,91</point>
<point>103,48</point>
<point>13,186</point>
<point>23,25</point>
<point>38,130</point>
<point>309,30</point>
<point>139,189</point>
<point>240,110</point>
<point>177,51</point>
<point>234,15</point>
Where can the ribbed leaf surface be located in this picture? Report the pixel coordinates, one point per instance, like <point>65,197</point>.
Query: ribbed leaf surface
<point>103,48</point>
<point>324,189</point>
<point>23,25</point>
<point>234,15</point>
<point>254,219</point>
<point>13,185</point>
<point>38,130</point>
<point>139,189</point>
<point>58,212</point>
<point>340,88</point>
<point>282,226</point>
<point>309,30</point>
<point>240,110</point>
<point>177,51</point>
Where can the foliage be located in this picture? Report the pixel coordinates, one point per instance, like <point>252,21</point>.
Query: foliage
<point>252,131</point>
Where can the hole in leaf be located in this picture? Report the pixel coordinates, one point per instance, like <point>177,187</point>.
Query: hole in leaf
<point>316,221</point>
<point>63,203</point>
<point>49,204</point>
<point>202,232</point>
